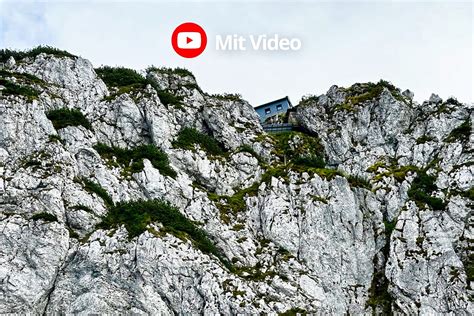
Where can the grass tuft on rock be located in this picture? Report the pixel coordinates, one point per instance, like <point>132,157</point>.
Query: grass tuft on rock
<point>168,98</point>
<point>460,133</point>
<point>120,76</point>
<point>93,187</point>
<point>68,117</point>
<point>137,215</point>
<point>362,92</point>
<point>131,160</point>
<point>301,150</point>
<point>12,88</point>
<point>182,72</point>
<point>422,187</point>
<point>188,137</point>
<point>18,55</point>
<point>45,217</point>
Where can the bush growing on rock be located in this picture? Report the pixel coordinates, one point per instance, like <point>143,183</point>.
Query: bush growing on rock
<point>18,55</point>
<point>188,137</point>
<point>422,187</point>
<point>93,187</point>
<point>183,72</point>
<point>168,98</point>
<point>120,76</point>
<point>362,92</point>
<point>68,117</point>
<point>137,215</point>
<point>12,88</point>
<point>300,149</point>
<point>460,133</point>
<point>45,217</point>
<point>132,159</point>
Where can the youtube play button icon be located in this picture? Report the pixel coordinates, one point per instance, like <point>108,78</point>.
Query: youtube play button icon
<point>189,40</point>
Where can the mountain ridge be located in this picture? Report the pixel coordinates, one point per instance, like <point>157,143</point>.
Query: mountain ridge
<point>369,210</point>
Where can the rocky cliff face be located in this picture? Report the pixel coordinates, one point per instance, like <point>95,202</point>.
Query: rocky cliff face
<point>369,209</point>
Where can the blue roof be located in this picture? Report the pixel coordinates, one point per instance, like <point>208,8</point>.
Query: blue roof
<point>275,101</point>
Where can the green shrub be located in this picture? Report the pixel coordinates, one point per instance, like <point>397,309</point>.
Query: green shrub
<point>469,267</point>
<point>137,215</point>
<point>188,137</point>
<point>362,92</point>
<point>422,187</point>
<point>379,296</point>
<point>248,149</point>
<point>294,311</point>
<point>93,187</point>
<point>467,194</point>
<point>453,101</point>
<point>45,217</point>
<point>389,227</point>
<point>227,96</point>
<point>327,173</point>
<point>18,55</point>
<point>54,138</point>
<point>308,100</point>
<point>132,159</point>
<point>313,161</point>
<point>120,77</point>
<point>460,133</point>
<point>167,98</point>
<point>360,182</point>
<point>423,139</point>
<point>12,88</point>
<point>68,117</point>
<point>24,77</point>
<point>171,71</point>
<point>308,152</point>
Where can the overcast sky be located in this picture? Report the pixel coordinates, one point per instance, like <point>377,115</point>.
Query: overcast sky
<point>423,46</point>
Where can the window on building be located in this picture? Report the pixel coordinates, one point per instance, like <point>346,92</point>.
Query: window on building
<point>279,107</point>
<point>268,111</point>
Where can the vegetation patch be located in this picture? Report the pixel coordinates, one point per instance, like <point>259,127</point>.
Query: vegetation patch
<point>467,194</point>
<point>424,139</point>
<point>18,55</point>
<point>300,150</point>
<point>168,98</point>
<point>460,133</point>
<point>294,312</point>
<point>379,297</point>
<point>45,217</point>
<point>137,215</point>
<point>68,117</point>
<point>54,138</point>
<point>23,77</point>
<point>398,172</point>
<point>235,97</point>
<point>359,182</point>
<point>182,72</point>
<point>93,187</point>
<point>363,92</point>
<point>131,160</point>
<point>312,161</point>
<point>421,188</point>
<point>188,137</point>
<point>255,273</point>
<point>120,76</point>
<point>308,100</point>
<point>248,149</point>
<point>12,88</point>
<point>469,268</point>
